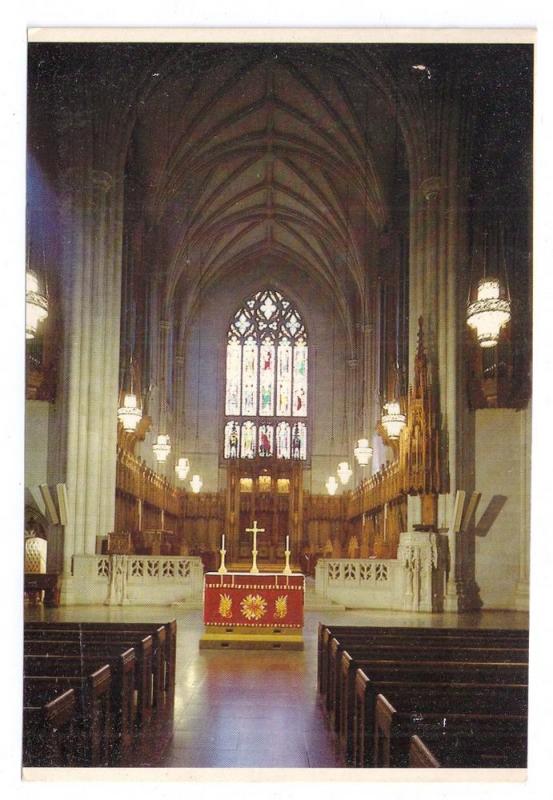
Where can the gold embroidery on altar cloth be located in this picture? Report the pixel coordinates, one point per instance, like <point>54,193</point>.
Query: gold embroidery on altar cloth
<point>225,605</point>
<point>281,606</point>
<point>253,606</point>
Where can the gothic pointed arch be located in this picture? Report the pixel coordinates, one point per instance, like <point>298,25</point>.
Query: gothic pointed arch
<point>266,387</point>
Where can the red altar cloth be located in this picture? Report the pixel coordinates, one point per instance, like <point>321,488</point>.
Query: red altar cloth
<point>267,600</point>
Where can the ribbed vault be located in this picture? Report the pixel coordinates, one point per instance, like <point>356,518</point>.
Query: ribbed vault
<point>281,153</point>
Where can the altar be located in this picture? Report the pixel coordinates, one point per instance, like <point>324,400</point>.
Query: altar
<point>253,611</point>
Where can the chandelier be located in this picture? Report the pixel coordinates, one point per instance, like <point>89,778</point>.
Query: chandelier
<point>344,472</point>
<point>393,421</point>
<point>331,485</point>
<point>162,447</point>
<point>196,484</point>
<point>489,313</point>
<point>129,413</point>
<point>363,452</point>
<point>182,467</point>
<point>36,305</point>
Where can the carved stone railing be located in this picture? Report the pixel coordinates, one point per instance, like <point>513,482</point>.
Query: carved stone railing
<point>357,583</point>
<point>139,580</point>
<point>414,581</point>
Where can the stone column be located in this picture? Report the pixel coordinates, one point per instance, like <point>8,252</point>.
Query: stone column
<point>91,254</point>
<point>438,252</point>
<point>352,404</point>
<point>179,406</point>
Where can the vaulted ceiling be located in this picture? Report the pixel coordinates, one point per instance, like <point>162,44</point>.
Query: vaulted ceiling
<point>247,153</point>
<point>287,158</point>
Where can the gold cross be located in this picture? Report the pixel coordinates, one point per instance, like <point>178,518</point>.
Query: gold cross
<point>255,530</point>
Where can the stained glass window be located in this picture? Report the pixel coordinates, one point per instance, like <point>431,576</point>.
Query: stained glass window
<point>247,443</point>
<point>266,380</point>
<point>283,440</point>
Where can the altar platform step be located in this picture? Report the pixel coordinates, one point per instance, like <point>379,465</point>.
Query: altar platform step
<point>244,638</point>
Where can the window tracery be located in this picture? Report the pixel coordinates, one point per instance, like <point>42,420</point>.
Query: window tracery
<point>266,380</point>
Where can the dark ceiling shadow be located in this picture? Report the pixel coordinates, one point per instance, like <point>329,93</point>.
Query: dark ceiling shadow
<point>490,515</point>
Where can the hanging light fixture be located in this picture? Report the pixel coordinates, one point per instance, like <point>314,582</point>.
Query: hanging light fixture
<point>36,305</point>
<point>162,447</point>
<point>393,421</point>
<point>182,468</point>
<point>196,484</point>
<point>489,313</point>
<point>363,452</point>
<point>130,412</point>
<point>331,485</point>
<point>491,310</point>
<point>344,472</point>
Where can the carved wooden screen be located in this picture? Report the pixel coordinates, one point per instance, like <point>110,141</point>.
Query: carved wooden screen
<point>266,380</point>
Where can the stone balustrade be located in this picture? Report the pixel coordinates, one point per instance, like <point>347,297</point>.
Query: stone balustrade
<point>136,580</point>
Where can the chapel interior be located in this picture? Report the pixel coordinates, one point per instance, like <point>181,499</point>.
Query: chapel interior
<point>281,287</point>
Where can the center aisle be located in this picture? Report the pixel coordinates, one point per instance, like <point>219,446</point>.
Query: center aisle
<point>247,708</point>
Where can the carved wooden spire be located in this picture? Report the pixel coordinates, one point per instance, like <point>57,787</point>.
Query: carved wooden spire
<point>421,365</point>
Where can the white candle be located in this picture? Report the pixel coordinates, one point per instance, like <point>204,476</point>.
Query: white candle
<point>223,542</point>
<point>287,542</point>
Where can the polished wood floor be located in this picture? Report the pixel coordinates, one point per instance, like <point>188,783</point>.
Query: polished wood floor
<point>255,708</point>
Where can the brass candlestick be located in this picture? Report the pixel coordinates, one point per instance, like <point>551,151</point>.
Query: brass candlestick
<point>287,570</point>
<point>222,569</point>
<point>254,570</point>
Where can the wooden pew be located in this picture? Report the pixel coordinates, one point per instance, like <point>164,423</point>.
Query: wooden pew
<point>99,644</point>
<point>413,658</point>
<point>462,646</point>
<point>452,750</point>
<point>423,670</point>
<point>466,650</point>
<point>93,713</point>
<point>346,637</point>
<point>402,713</point>
<point>165,645</point>
<point>348,633</point>
<point>49,727</point>
<point>341,679</point>
<point>420,757</point>
<point>122,666</point>
<point>417,684</point>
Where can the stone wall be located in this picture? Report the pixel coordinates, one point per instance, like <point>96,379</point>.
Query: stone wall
<point>503,516</point>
